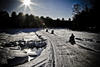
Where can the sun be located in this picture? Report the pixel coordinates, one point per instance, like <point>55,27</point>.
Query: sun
<point>27,2</point>
<point>27,5</point>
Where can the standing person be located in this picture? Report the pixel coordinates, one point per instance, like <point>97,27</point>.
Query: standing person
<point>72,39</point>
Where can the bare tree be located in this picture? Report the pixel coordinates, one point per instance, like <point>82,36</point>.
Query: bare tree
<point>76,9</point>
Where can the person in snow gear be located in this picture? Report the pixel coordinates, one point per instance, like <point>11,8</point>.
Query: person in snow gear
<point>72,39</point>
<point>52,32</point>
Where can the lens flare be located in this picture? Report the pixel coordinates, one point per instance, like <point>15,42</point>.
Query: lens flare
<point>27,4</point>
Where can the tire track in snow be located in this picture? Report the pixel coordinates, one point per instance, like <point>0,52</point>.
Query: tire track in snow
<point>52,62</point>
<point>57,63</point>
<point>59,58</point>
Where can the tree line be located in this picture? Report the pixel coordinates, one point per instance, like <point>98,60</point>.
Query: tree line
<point>18,21</point>
<point>30,21</point>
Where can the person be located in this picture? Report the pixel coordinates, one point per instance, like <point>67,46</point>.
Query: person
<point>46,30</point>
<point>52,32</point>
<point>72,39</point>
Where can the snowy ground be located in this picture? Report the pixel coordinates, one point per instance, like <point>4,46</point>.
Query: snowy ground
<point>90,40</point>
<point>24,46</point>
<point>85,53</point>
<point>58,52</point>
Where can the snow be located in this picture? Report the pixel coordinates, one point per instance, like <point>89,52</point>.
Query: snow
<point>58,52</point>
<point>67,55</point>
<point>87,39</point>
<point>20,37</point>
<point>30,52</point>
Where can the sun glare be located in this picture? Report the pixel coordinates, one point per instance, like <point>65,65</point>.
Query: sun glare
<point>27,2</point>
<point>27,6</point>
